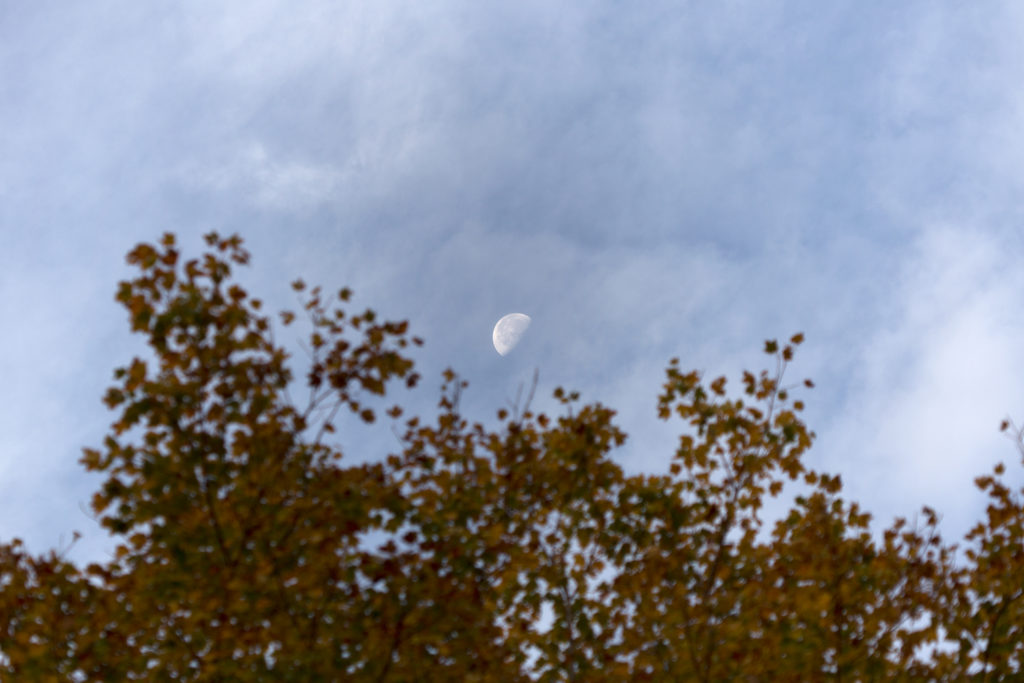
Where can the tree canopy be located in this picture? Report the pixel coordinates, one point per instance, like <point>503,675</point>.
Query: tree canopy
<point>249,550</point>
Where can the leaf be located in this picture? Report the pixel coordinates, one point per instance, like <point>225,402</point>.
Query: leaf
<point>247,549</point>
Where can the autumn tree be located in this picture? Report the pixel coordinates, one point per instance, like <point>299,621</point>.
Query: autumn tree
<point>249,549</point>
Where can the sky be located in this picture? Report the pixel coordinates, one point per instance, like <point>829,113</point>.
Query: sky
<point>645,180</point>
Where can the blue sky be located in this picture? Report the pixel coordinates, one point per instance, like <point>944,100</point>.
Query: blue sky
<point>646,180</point>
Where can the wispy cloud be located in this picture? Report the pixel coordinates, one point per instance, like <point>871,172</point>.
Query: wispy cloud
<point>934,382</point>
<point>268,183</point>
<point>659,181</point>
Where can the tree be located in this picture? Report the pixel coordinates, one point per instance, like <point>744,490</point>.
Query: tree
<point>249,550</point>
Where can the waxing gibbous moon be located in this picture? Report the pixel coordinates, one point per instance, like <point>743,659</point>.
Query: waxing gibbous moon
<point>508,331</point>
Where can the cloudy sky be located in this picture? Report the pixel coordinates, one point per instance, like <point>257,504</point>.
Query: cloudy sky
<point>646,180</point>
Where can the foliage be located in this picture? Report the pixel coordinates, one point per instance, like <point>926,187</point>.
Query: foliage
<point>247,550</point>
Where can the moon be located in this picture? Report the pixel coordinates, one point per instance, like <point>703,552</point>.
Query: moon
<point>508,331</point>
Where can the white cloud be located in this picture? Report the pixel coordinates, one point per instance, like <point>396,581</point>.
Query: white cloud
<point>652,183</point>
<point>932,386</point>
<point>268,183</point>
